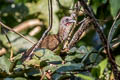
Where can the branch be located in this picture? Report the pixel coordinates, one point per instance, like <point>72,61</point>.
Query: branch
<point>2,51</point>
<point>5,26</point>
<point>10,44</point>
<point>111,58</point>
<point>35,30</point>
<point>74,15</point>
<point>27,24</point>
<point>79,32</point>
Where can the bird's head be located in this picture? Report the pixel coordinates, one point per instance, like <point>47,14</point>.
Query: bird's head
<point>67,21</point>
<point>65,27</point>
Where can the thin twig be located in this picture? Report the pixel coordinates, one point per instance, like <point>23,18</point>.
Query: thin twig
<point>10,44</point>
<point>5,26</point>
<point>46,32</point>
<point>86,56</point>
<point>73,15</point>
<point>110,35</point>
<point>79,32</point>
<point>43,75</point>
<point>113,28</point>
<point>35,31</point>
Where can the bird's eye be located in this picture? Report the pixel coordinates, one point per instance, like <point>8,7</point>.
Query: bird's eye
<point>67,20</point>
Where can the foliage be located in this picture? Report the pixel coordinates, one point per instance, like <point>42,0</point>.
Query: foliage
<point>85,61</point>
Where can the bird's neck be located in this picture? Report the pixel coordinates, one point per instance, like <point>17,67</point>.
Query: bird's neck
<point>63,33</point>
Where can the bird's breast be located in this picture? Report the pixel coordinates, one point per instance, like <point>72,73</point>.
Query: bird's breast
<point>50,42</point>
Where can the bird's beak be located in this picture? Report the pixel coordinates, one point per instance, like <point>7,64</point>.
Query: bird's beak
<point>72,21</point>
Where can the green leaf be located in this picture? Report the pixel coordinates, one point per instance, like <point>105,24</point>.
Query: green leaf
<point>45,54</point>
<point>117,59</point>
<point>17,40</point>
<point>72,50</point>
<point>114,7</point>
<point>18,43</point>
<point>80,52</point>
<point>42,57</point>
<point>56,76</point>
<point>112,31</point>
<point>52,68</point>
<point>71,57</point>
<point>102,65</point>
<point>84,77</point>
<point>32,62</point>
<point>87,55</point>
<point>4,63</point>
<point>66,68</point>
<point>96,71</point>
<point>34,72</point>
<point>70,67</point>
<point>95,57</point>
<point>19,56</point>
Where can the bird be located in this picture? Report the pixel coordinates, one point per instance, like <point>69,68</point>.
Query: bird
<point>51,42</point>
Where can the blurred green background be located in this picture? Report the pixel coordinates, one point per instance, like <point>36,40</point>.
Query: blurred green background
<point>32,15</point>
